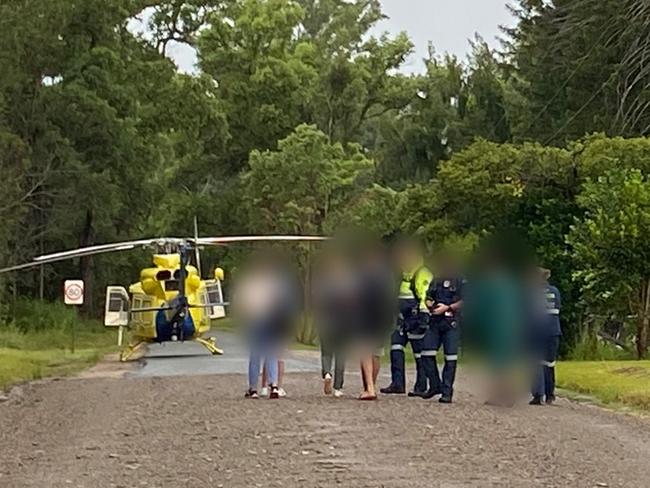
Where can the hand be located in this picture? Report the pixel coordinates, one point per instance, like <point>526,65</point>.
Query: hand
<point>440,309</point>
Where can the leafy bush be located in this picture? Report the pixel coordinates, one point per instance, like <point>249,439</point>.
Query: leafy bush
<point>36,325</point>
<point>34,316</point>
<point>590,347</point>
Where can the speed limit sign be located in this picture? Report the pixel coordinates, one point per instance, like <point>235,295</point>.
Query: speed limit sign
<point>73,292</point>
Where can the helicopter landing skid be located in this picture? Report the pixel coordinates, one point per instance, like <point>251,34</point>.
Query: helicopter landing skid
<point>130,350</point>
<point>210,345</point>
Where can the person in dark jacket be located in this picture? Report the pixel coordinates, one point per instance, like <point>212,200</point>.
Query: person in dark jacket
<point>546,339</point>
<point>444,299</point>
<point>336,314</point>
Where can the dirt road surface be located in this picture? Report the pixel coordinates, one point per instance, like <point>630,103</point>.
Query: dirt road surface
<point>139,429</point>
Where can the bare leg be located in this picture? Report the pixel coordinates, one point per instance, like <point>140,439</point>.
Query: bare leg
<point>369,392</point>
<point>376,366</point>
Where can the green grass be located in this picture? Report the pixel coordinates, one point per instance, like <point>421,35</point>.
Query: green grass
<point>226,324</point>
<point>19,366</point>
<point>37,344</point>
<point>26,356</point>
<point>625,383</point>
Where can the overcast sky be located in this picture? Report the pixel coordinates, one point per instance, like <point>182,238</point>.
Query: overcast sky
<point>449,24</point>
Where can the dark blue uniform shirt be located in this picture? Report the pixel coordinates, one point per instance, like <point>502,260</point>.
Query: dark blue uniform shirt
<point>446,291</point>
<point>553,302</point>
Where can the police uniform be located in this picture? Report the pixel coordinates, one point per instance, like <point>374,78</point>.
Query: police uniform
<point>547,344</point>
<point>445,332</point>
<point>412,323</point>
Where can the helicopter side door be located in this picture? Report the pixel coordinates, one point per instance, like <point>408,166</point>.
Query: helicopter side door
<point>215,299</point>
<point>116,309</point>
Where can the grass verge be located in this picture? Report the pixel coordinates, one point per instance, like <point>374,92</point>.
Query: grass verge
<point>19,366</point>
<point>38,343</point>
<point>624,383</point>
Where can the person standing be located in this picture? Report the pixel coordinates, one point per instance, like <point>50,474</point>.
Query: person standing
<point>444,299</point>
<point>336,305</point>
<point>494,317</point>
<point>265,302</point>
<point>546,341</point>
<point>377,314</point>
<point>413,317</point>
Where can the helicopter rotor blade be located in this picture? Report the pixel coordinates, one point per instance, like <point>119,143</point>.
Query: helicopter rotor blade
<point>128,245</point>
<point>90,251</point>
<point>216,241</point>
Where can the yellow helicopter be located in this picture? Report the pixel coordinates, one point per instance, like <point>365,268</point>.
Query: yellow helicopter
<point>171,302</point>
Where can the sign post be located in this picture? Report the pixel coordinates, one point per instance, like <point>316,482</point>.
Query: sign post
<point>73,294</point>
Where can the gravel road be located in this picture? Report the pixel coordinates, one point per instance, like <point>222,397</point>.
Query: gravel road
<point>198,431</point>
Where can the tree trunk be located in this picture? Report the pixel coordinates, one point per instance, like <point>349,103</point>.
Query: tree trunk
<point>306,326</point>
<point>642,338</point>
<point>643,320</point>
<point>86,265</point>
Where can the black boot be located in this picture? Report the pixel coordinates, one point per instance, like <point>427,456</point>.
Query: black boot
<point>444,399</point>
<point>392,390</point>
<point>431,392</point>
<point>431,370</point>
<point>417,393</point>
<point>537,400</point>
<point>550,399</point>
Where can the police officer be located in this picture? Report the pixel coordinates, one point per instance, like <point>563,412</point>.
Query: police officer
<point>413,318</point>
<point>444,300</point>
<point>547,341</point>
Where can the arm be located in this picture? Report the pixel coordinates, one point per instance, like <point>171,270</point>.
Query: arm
<point>423,282</point>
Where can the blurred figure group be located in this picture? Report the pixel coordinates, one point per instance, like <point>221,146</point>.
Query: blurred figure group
<point>362,292</point>
<point>512,321</point>
<point>428,318</point>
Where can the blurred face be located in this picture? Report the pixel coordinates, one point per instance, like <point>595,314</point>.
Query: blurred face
<point>408,256</point>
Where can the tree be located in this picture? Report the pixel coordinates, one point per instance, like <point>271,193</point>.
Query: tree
<point>485,108</point>
<point>101,120</point>
<point>301,187</point>
<point>409,142</point>
<point>578,66</point>
<point>280,63</point>
<point>611,249</point>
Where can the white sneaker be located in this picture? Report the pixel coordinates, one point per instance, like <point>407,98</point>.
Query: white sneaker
<point>281,392</point>
<point>327,384</point>
<point>264,392</point>
<point>338,393</point>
